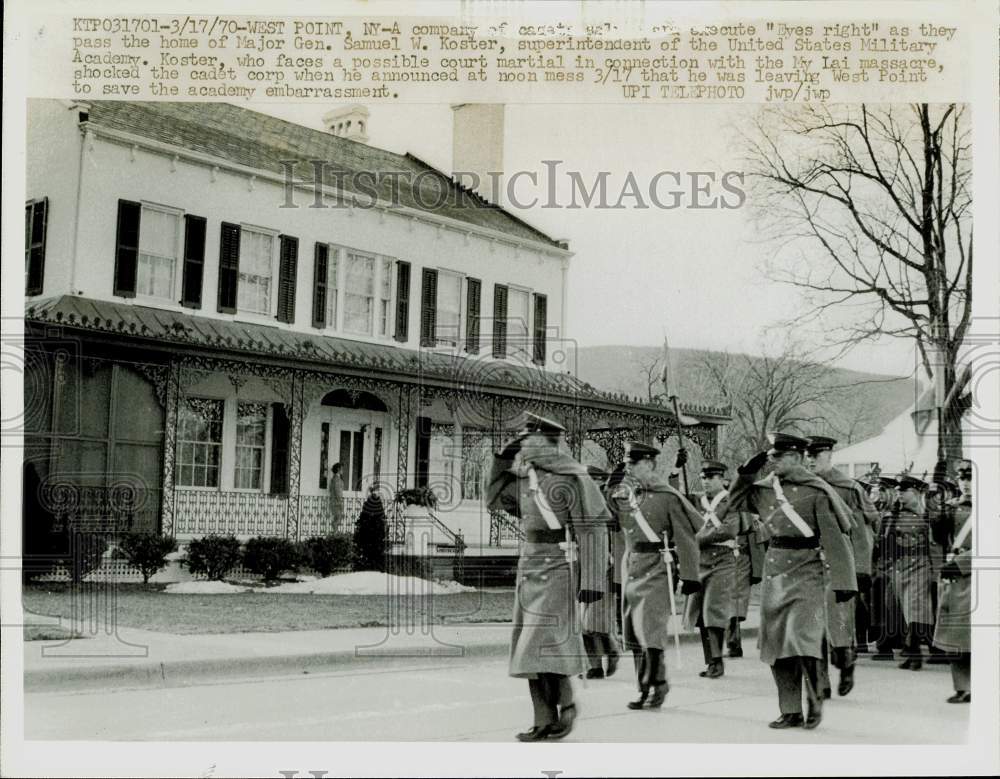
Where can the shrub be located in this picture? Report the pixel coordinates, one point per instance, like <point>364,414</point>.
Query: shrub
<point>147,551</point>
<point>84,552</point>
<point>326,554</point>
<point>270,556</point>
<point>370,536</point>
<point>213,555</point>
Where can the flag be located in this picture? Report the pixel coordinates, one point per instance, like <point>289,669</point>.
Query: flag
<point>665,373</point>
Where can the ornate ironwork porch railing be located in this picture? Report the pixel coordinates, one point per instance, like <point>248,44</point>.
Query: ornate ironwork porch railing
<point>504,527</point>
<point>316,518</point>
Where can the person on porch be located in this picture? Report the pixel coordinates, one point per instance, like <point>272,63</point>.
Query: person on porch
<point>336,497</point>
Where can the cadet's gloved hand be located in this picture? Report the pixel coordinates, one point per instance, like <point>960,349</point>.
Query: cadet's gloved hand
<point>864,582</point>
<point>682,458</point>
<point>754,580</point>
<point>842,596</point>
<point>753,465</point>
<point>689,586</point>
<point>951,571</point>
<point>511,449</point>
<point>589,596</point>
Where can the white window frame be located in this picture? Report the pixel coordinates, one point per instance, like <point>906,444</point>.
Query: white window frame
<point>265,460</point>
<point>173,297</point>
<point>272,303</point>
<point>527,354</point>
<point>223,445</point>
<point>337,254</point>
<point>462,294</point>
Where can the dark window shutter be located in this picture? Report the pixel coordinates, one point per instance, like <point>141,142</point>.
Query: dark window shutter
<point>499,320</point>
<point>127,248</point>
<point>428,307</point>
<point>321,257</point>
<point>36,217</point>
<point>324,445</point>
<point>286,278</point>
<point>472,307</point>
<point>279,449</point>
<point>229,267</point>
<point>194,260</point>
<point>402,301</point>
<point>541,311</point>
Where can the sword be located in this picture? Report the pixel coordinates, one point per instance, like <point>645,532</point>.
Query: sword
<point>673,604</point>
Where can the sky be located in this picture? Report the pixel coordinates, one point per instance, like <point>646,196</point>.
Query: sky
<point>636,274</point>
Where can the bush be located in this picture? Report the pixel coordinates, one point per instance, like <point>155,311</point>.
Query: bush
<point>326,554</point>
<point>213,555</point>
<point>370,536</point>
<point>268,557</point>
<point>147,551</point>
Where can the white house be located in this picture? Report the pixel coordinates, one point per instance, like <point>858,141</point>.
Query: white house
<point>205,342</point>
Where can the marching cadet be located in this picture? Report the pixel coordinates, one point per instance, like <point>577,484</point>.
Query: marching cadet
<point>599,621</point>
<point>840,616</point>
<point>863,603</point>
<point>652,514</point>
<point>953,631</point>
<point>887,620</point>
<point>749,567</point>
<point>802,514</point>
<point>710,608</point>
<point>554,498</point>
<point>909,542</point>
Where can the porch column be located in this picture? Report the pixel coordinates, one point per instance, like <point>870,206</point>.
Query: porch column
<point>295,419</point>
<point>171,402</point>
<point>405,421</point>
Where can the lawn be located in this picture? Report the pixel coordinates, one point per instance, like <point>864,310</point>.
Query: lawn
<point>151,608</point>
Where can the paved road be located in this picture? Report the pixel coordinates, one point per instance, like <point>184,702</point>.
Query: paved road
<point>474,700</point>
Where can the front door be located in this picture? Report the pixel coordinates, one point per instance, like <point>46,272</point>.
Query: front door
<point>350,453</point>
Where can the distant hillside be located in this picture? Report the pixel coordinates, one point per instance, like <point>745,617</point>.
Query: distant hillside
<point>857,406</point>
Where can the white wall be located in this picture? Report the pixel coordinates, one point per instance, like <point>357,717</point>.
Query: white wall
<point>113,171</point>
<point>52,170</point>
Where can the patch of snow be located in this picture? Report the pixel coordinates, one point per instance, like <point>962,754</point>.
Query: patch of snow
<point>369,583</point>
<point>204,588</point>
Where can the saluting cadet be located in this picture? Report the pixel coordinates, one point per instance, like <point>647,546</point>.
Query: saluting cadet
<point>599,621</point>
<point>652,515</point>
<point>886,617</point>
<point>909,542</point>
<point>710,608</point>
<point>953,631</point>
<point>555,500</point>
<point>802,514</point>
<point>840,616</point>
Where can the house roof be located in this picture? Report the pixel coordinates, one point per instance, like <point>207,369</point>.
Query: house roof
<point>166,329</point>
<point>256,140</point>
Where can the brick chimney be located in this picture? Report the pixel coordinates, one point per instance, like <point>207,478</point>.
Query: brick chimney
<point>349,122</point>
<point>478,148</point>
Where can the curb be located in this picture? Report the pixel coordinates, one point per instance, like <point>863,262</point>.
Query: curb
<point>184,673</point>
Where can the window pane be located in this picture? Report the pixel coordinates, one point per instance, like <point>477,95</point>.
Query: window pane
<point>449,307</point>
<point>517,322</point>
<point>250,436</point>
<point>359,292</point>
<point>256,253</point>
<point>158,233</point>
<point>199,441</point>
<point>385,297</point>
<point>331,288</point>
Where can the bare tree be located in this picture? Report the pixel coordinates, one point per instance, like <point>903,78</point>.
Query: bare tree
<point>650,366</point>
<point>781,390</point>
<point>870,207</point>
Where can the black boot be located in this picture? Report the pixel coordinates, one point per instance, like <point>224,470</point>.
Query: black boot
<point>567,716</point>
<point>787,721</point>
<point>735,643</point>
<point>659,695</point>
<point>641,700</point>
<point>846,680</point>
<point>815,716</point>
<point>537,733</point>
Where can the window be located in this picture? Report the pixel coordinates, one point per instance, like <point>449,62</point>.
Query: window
<point>517,323</point>
<point>256,271</point>
<point>385,296</point>
<point>449,309</point>
<point>199,441</point>
<point>359,293</point>
<point>476,456</point>
<point>251,428</point>
<point>157,261</point>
